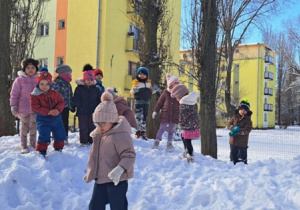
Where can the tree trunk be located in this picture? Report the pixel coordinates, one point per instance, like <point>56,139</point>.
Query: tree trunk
<point>208,78</point>
<point>6,118</point>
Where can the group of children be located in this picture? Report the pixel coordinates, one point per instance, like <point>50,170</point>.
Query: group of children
<point>39,102</point>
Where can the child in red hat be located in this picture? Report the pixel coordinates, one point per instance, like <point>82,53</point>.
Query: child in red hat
<point>99,76</point>
<point>48,105</point>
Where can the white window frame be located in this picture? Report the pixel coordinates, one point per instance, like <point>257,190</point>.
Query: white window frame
<point>43,62</point>
<point>43,29</point>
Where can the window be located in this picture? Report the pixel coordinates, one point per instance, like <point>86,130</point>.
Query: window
<point>43,29</point>
<point>236,82</point>
<point>60,61</point>
<point>43,62</point>
<point>132,68</point>
<point>61,24</point>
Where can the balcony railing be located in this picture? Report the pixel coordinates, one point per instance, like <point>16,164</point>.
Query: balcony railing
<point>268,107</point>
<point>269,75</point>
<point>132,45</point>
<point>268,91</point>
<point>269,59</point>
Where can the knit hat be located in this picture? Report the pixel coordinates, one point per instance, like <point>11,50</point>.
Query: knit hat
<point>63,69</point>
<point>87,67</point>
<point>171,79</point>
<point>31,61</point>
<point>88,75</point>
<point>143,70</point>
<point>44,74</point>
<point>244,104</point>
<point>106,111</point>
<point>112,91</point>
<point>98,71</point>
<point>179,91</point>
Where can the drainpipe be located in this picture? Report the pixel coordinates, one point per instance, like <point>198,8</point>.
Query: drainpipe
<point>98,34</point>
<point>257,92</point>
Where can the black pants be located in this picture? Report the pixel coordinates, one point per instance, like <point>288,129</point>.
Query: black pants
<point>187,143</point>
<point>110,194</point>
<point>238,154</point>
<point>141,113</point>
<point>65,119</point>
<point>86,126</point>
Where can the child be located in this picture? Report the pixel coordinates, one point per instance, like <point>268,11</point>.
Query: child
<point>111,158</point>
<point>63,86</point>
<point>188,118</point>
<point>240,125</point>
<point>20,102</point>
<point>86,98</point>
<point>169,115</point>
<point>48,105</point>
<point>99,76</point>
<point>122,107</point>
<point>142,91</point>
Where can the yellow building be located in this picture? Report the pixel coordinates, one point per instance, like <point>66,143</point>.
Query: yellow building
<point>253,77</point>
<point>101,33</point>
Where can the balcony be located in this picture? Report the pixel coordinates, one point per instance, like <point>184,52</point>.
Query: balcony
<point>131,45</point>
<point>269,75</point>
<point>269,59</point>
<point>268,91</point>
<point>268,107</point>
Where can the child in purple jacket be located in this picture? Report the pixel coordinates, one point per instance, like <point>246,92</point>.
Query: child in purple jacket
<point>20,102</point>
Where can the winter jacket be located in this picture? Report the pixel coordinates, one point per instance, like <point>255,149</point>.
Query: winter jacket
<point>41,103</point>
<point>145,90</point>
<point>245,124</point>
<point>20,92</point>
<point>85,98</point>
<point>188,112</point>
<point>65,90</point>
<point>169,108</point>
<point>124,110</point>
<point>99,85</point>
<point>113,148</point>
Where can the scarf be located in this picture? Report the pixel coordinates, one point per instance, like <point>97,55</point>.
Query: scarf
<point>66,77</point>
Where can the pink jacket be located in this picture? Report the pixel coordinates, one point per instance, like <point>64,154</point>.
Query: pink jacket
<point>20,92</point>
<point>113,148</point>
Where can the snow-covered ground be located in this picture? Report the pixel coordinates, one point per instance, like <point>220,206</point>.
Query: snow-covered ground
<point>162,180</point>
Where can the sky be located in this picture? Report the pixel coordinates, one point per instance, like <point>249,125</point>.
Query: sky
<point>253,35</point>
<point>162,180</point>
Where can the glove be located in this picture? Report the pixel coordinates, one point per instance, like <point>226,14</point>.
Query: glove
<point>153,115</point>
<point>135,90</point>
<point>115,174</point>
<point>235,129</point>
<point>231,133</point>
<point>14,110</point>
<point>155,89</point>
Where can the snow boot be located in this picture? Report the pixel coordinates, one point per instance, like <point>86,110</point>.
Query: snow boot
<point>143,135</point>
<point>190,158</point>
<point>156,144</point>
<point>43,153</point>
<point>137,134</point>
<point>169,147</point>
<point>24,150</point>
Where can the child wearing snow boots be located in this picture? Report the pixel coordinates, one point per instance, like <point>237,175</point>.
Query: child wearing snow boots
<point>20,102</point>
<point>48,105</point>
<point>112,157</point>
<point>86,98</point>
<point>62,84</point>
<point>240,126</point>
<point>142,91</point>
<point>169,115</point>
<point>188,118</point>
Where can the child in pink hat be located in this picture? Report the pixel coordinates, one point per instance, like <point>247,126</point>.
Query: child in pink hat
<point>169,115</point>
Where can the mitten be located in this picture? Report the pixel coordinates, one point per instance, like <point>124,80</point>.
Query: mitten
<point>235,129</point>
<point>231,133</point>
<point>153,115</point>
<point>155,89</point>
<point>115,174</point>
<point>14,110</point>
<point>135,90</point>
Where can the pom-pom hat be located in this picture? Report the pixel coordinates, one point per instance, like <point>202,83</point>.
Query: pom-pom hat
<point>44,74</point>
<point>179,91</point>
<point>244,104</point>
<point>171,79</point>
<point>88,75</point>
<point>106,111</point>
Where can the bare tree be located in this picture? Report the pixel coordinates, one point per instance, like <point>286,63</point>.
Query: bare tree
<point>6,118</point>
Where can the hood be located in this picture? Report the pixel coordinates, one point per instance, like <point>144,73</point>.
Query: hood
<point>118,99</point>
<point>121,126</point>
<point>23,74</point>
<point>37,91</point>
<point>189,99</point>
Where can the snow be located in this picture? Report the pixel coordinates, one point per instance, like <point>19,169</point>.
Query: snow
<point>162,180</point>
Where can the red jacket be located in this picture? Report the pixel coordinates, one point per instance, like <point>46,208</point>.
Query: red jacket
<point>44,102</point>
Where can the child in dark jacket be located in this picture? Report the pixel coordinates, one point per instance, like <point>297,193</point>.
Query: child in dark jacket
<point>48,105</point>
<point>188,118</point>
<point>169,115</point>
<point>142,91</point>
<point>63,86</point>
<point>240,126</point>
<point>86,98</point>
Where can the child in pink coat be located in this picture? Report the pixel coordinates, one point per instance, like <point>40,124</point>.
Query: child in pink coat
<point>20,102</point>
